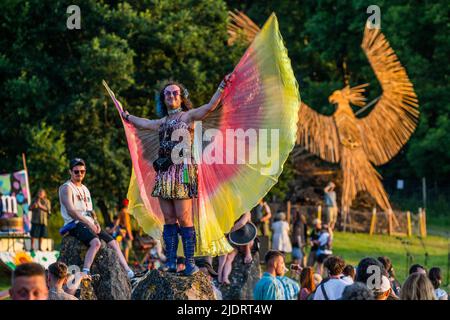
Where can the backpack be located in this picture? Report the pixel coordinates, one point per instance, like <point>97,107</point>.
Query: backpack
<point>322,288</point>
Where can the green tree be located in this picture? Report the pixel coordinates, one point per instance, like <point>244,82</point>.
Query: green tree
<point>50,74</point>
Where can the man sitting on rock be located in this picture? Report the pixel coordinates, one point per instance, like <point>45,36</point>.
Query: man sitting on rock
<point>79,219</point>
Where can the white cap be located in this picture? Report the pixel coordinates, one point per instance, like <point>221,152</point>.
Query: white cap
<point>385,285</point>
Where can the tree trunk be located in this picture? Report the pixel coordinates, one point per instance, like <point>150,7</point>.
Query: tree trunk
<point>105,213</point>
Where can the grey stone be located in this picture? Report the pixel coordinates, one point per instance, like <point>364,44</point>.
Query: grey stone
<point>158,285</point>
<point>113,283</point>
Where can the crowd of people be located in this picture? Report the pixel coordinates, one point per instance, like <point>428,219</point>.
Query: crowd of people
<point>318,276</point>
<point>371,279</point>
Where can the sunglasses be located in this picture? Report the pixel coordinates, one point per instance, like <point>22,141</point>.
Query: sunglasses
<point>170,93</point>
<point>79,171</point>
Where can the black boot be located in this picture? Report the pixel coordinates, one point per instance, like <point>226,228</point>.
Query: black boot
<point>188,238</point>
<point>170,236</point>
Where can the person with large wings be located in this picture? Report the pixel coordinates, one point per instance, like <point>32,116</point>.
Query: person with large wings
<point>200,180</point>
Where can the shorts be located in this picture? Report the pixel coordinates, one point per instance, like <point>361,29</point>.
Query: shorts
<point>331,214</point>
<point>38,231</point>
<point>85,234</point>
<point>321,258</point>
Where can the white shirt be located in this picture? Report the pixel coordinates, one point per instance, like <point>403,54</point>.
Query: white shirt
<point>348,279</point>
<point>81,200</point>
<point>440,294</point>
<point>333,288</point>
<point>323,240</point>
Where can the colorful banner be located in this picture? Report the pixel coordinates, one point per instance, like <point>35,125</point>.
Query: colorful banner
<point>15,197</point>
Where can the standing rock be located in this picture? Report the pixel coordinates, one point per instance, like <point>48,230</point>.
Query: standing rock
<point>86,291</point>
<point>113,283</point>
<point>157,285</point>
<point>243,278</point>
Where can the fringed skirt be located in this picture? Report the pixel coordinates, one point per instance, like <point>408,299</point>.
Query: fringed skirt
<point>177,183</point>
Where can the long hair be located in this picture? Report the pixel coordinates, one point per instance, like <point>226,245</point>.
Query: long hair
<point>307,279</point>
<point>435,277</point>
<point>417,287</point>
<point>387,266</point>
<point>161,109</point>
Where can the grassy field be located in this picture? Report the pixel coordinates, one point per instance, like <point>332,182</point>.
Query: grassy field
<point>354,246</point>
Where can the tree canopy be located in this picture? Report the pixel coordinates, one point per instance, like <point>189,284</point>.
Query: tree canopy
<point>54,107</point>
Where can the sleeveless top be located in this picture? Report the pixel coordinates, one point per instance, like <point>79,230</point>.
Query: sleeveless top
<point>167,129</point>
<point>81,200</point>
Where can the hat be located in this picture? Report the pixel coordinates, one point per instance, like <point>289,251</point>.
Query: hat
<point>244,235</point>
<point>203,263</point>
<point>76,162</point>
<point>384,286</point>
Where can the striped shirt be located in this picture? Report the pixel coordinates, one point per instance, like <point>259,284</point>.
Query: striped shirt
<point>269,287</point>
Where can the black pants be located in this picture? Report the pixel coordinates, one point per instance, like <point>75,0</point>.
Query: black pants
<point>85,234</point>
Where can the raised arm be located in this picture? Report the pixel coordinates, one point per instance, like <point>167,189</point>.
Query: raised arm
<point>142,123</point>
<point>245,218</point>
<point>201,112</point>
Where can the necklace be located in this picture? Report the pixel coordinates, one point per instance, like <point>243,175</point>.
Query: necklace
<point>81,197</point>
<point>170,112</point>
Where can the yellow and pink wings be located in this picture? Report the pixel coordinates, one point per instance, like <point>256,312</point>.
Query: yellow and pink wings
<point>263,98</point>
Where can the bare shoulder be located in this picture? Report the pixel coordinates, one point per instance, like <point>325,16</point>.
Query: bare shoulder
<point>188,116</point>
<point>64,190</point>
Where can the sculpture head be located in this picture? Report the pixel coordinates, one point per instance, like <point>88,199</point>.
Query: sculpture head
<point>349,95</point>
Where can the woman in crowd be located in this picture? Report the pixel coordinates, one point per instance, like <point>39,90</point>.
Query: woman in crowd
<point>307,284</point>
<point>40,211</point>
<point>241,239</point>
<point>417,287</point>
<point>396,286</point>
<point>280,237</point>
<point>324,250</point>
<point>435,277</point>
<point>299,233</point>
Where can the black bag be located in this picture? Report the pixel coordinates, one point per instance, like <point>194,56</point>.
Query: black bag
<point>162,164</point>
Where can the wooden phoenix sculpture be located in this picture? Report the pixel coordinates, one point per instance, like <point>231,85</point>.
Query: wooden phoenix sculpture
<point>358,143</point>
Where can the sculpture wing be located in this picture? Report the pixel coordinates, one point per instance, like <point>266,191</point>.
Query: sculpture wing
<point>318,134</point>
<point>394,118</point>
<point>240,24</point>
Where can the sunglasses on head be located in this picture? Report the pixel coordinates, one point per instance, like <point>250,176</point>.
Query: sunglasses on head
<point>168,93</point>
<point>79,171</point>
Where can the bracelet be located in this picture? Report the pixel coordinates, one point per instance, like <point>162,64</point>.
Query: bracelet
<point>126,117</point>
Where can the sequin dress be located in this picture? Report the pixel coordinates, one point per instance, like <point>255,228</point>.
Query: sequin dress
<point>179,181</point>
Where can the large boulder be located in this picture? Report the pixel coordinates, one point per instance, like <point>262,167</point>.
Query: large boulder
<point>113,283</point>
<point>243,278</point>
<point>86,291</point>
<point>157,285</point>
